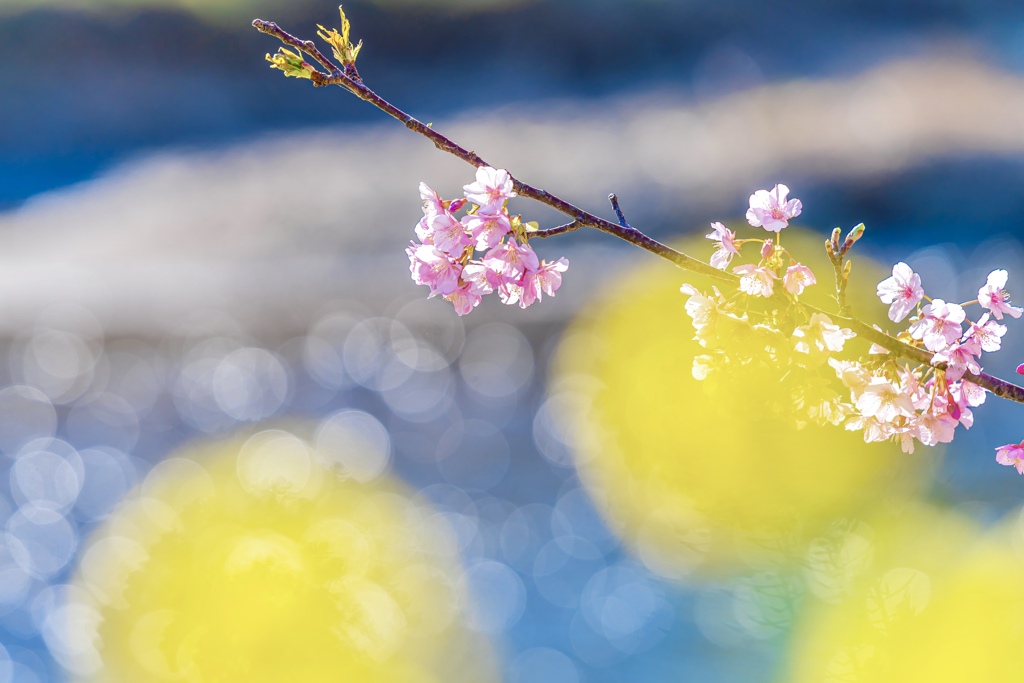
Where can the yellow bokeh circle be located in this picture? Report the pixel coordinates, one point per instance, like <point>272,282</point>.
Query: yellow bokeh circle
<point>939,600</point>
<point>702,474</point>
<point>258,560</point>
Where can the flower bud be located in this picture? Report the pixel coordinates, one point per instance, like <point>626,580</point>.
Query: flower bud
<point>852,237</point>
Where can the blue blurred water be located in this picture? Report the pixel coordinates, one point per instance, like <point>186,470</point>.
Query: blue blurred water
<point>83,90</point>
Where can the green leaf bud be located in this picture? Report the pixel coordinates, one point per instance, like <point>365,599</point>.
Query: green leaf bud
<point>290,63</point>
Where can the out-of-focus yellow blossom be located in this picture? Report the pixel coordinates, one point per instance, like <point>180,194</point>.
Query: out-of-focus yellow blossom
<point>255,561</point>
<point>940,600</point>
<point>686,469</point>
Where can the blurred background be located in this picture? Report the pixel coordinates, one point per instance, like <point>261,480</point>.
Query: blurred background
<point>195,248</point>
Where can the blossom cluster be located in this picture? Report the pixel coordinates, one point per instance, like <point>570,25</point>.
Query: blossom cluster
<point>889,398</point>
<point>928,402</point>
<point>771,211</point>
<point>444,258</point>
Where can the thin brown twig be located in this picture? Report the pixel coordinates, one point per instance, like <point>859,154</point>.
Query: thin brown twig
<point>618,211</point>
<point>445,144</point>
<point>557,230</point>
<point>622,230</point>
<point>307,46</point>
<point>837,266</point>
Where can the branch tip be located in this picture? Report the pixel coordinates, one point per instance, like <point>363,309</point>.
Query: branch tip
<point>618,212</point>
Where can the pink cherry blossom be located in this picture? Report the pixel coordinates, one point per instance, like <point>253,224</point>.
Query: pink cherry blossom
<point>993,297</point>
<point>958,403</point>
<point>853,375</point>
<point>797,278</point>
<point>432,267</point>
<point>959,358</point>
<point>884,401</point>
<point>512,260</point>
<point>424,230</point>
<point>431,200</point>
<point>492,187</point>
<point>950,405</point>
<point>1020,369</point>
<point>968,393</point>
<point>446,233</point>
<point>905,436</point>
<point>702,309</point>
<point>767,249</point>
<point>820,335</point>
<point>432,205</point>
<point>544,280</point>
<point>511,291</point>
<point>770,210</point>
<point>438,226</point>
<point>912,387</point>
<point>705,312</point>
<point>464,299</point>
<point>726,249</point>
<point>755,281</point>
<point>903,290</point>
<point>486,229</point>
<point>939,325</point>
<point>832,336</point>
<point>934,428</point>
<point>1011,454</point>
<point>874,429</point>
<point>481,278</point>
<point>988,333</point>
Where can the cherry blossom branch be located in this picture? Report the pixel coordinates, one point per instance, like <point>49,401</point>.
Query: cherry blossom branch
<point>557,230</point>
<point>307,46</point>
<point>997,386</point>
<point>348,78</point>
<point>581,218</point>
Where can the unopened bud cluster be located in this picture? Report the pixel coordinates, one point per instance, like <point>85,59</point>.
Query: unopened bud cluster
<point>888,397</point>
